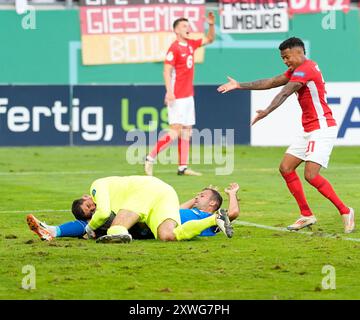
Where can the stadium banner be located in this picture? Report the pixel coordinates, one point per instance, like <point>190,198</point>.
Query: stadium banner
<point>34,115</point>
<point>121,31</point>
<point>248,16</point>
<point>112,115</point>
<point>315,6</point>
<point>125,112</point>
<point>284,124</point>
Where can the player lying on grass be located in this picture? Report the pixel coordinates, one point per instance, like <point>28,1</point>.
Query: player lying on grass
<point>203,206</point>
<point>76,229</point>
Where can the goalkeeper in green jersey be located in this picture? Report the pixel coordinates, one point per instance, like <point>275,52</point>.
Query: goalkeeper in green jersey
<point>143,199</point>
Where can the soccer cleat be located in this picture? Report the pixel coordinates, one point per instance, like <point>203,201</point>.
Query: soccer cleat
<point>188,172</point>
<point>223,222</point>
<point>302,222</point>
<point>149,167</point>
<point>40,228</point>
<point>349,221</point>
<point>115,238</point>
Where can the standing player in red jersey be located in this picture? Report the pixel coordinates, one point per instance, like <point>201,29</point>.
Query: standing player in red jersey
<point>314,146</point>
<point>179,98</point>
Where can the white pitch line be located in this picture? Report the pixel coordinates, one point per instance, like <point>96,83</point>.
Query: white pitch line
<point>31,173</point>
<point>242,223</point>
<point>323,235</point>
<point>159,170</point>
<point>33,211</point>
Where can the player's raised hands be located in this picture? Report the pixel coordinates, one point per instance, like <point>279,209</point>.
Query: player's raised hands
<point>210,19</point>
<point>232,188</point>
<point>260,114</point>
<point>231,85</point>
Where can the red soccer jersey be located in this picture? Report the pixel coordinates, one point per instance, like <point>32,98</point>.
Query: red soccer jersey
<point>316,113</point>
<point>181,57</point>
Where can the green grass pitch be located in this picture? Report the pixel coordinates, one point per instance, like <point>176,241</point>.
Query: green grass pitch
<point>256,263</point>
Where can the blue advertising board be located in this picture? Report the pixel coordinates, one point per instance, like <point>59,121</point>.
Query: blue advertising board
<point>34,115</point>
<point>104,114</point>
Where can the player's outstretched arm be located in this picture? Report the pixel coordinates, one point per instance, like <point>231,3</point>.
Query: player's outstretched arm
<point>256,85</point>
<point>234,209</point>
<point>210,36</point>
<point>285,92</point>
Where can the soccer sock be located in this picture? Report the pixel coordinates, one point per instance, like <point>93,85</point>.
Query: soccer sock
<point>296,189</point>
<point>71,229</point>
<point>325,188</point>
<point>54,230</point>
<point>183,152</point>
<point>117,230</point>
<point>192,228</point>
<point>162,143</point>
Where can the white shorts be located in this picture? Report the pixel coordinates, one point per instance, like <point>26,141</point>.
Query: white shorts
<point>182,111</point>
<point>315,146</point>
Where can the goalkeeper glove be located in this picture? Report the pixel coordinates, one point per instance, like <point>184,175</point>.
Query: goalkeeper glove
<point>90,232</point>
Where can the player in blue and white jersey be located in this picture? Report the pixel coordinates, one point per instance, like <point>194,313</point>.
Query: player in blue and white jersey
<point>203,205</point>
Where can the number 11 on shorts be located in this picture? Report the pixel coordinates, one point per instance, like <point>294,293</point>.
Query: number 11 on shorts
<point>310,147</point>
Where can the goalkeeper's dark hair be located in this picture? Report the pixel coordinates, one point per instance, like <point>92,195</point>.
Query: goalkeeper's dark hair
<point>216,196</point>
<point>177,21</point>
<point>76,209</point>
<point>292,42</point>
